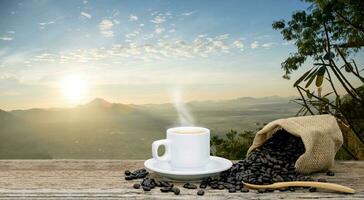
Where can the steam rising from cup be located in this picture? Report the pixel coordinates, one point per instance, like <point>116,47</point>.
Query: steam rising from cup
<point>184,116</point>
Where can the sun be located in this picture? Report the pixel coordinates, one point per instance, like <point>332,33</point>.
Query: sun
<point>74,88</point>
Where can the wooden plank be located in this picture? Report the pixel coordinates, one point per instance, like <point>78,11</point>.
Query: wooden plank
<point>104,179</point>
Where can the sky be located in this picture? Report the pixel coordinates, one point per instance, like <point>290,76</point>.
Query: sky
<point>63,53</point>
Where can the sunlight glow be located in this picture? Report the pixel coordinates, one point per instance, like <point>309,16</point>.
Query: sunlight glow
<point>74,88</point>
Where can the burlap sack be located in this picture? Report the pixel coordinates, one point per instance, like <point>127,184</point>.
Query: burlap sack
<point>320,135</point>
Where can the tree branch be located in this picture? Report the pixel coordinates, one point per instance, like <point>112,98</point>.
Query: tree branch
<point>347,63</point>
<point>304,101</point>
<point>357,27</point>
<point>332,83</point>
<point>337,72</point>
<point>355,44</point>
<point>343,114</point>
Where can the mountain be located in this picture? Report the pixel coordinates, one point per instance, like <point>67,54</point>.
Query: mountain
<point>238,114</point>
<point>5,117</point>
<point>104,130</point>
<point>98,129</point>
<point>17,140</point>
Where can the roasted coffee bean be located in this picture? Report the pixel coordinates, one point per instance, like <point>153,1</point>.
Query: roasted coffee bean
<point>220,187</point>
<point>269,190</point>
<point>203,186</point>
<point>128,178</point>
<point>214,186</point>
<point>176,191</point>
<point>330,173</point>
<point>165,189</point>
<point>292,189</point>
<point>192,186</point>
<point>232,190</point>
<point>186,185</point>
<point>146,188</point>
<point>283,189</point>
<point>261,190</point>
<point>244,190</point>
<point>136,186</point>
<point>165,183</point>
<point>127,172</point>
<point>321,180</point>
<point>313,189</point>
<point>200,192</point>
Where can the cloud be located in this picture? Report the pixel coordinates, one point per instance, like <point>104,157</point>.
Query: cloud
<point>8,82</point>
<point>87,15</point>
<point>5,38</point>
<point>105,27</point>
<point>158,19</point>
<point>133,18</point>
<point>44,24</point>
<point>254,45</point>
<point>268,45</point>
<point>238,44</point>
<point>201,46</point>
<point>11,32</point>
<point>133,34</point>
<point>188,13</point>
<point>159,30</point>
<point>223,37</point>
<point>85,2</point>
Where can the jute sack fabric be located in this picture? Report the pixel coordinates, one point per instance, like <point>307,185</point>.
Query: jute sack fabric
<point>320,135</point>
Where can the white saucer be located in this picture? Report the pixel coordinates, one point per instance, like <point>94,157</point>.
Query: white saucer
<point>212,168</point>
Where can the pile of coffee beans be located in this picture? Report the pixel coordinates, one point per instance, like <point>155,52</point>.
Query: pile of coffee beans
<point>272,162</point>
<point>140,173</point>
<point>147,183</point>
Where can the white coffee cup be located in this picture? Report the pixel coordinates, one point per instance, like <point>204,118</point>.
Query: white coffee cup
<point>185,147</point>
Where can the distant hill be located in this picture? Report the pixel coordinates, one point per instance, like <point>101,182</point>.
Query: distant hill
<point>100,129</point>
<point>239,114</point>
<point>17,139</point>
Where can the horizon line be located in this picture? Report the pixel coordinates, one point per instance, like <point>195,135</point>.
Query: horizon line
<point>169,102</point>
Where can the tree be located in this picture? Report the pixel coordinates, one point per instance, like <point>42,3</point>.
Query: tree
<point>329,33</point>
<point>233,145</point>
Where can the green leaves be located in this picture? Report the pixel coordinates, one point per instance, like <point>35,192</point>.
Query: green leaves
<point>329,56</point>
<point>313,76</point>
<point>302,78</point>
<point>309,94</point>
<point>278,24</point>
<point>319,81</point>
<point>292,63</point>
<point>310,75</point>
<point>327,94</point>
<point>348,67</point>
<point>321,71</point>
<point>320,76</point>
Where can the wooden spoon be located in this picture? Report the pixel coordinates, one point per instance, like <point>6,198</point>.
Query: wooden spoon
<point>321,185</point>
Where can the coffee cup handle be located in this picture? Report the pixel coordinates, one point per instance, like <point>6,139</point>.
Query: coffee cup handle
<point>155,147</point>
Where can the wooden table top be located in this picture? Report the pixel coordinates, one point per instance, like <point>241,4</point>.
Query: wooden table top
<point>104,179</point>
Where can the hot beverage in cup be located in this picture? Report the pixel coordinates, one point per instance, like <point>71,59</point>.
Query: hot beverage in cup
<point>185,147</point>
